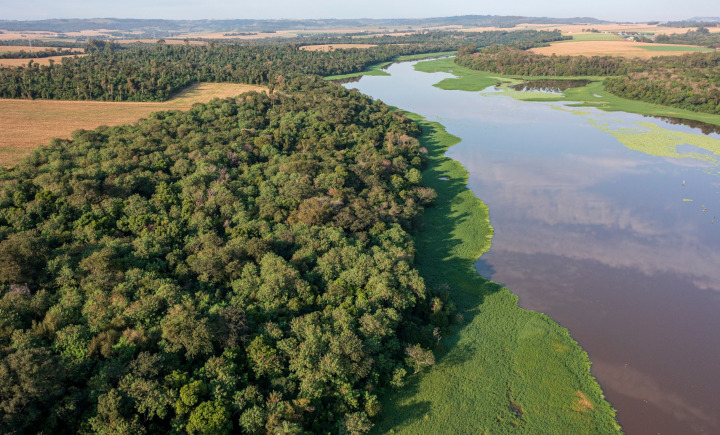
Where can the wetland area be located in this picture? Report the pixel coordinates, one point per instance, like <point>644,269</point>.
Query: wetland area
<point>604,221</point>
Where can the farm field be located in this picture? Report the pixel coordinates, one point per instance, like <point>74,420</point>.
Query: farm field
<point>28,124</point>
<point>10,63</point>
<point>615,48</point>
<point>16,48</point>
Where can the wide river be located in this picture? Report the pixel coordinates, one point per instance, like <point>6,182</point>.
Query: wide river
<point>605,221</point>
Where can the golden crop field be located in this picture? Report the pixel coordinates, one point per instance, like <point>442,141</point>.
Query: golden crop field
<point>619,47</point>
<point>28,124</point>
<point>10,63</point>
<point>16,48</point>
<point>331,47</point>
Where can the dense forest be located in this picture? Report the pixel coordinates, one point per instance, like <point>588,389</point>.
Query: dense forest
<point>691,23</point>
<point>691,81</point>
<point>154,72</point>
<point>691,88</point>
<point>244,266</point>
<point>513,61</point>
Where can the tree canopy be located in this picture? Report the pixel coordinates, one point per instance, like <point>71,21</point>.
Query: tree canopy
<point>245,265</point>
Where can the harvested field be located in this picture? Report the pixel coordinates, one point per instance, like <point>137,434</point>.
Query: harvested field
<point>9,36</point>
<point>613,48</point>
<point>331,47</point>
<point>28,124</point>
<point>204,92</point>
<point>16,48</point>
<point>9,63</point>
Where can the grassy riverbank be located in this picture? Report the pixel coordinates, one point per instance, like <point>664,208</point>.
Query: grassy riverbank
<point>504,368</point>
<point>377,69</point>
<point>594,94</point>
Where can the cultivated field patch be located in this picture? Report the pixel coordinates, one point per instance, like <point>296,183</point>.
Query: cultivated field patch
<point>615,48</point>
<point>16,48</point>
<point>10,63</point>
<point>28,124</point>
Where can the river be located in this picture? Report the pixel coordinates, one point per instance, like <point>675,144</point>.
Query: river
<point>606,222</point>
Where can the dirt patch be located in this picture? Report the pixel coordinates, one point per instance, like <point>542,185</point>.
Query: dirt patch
<point>28,124</point>
<point>332,47</point>
<point>608,48</point>
<point>582,404</point>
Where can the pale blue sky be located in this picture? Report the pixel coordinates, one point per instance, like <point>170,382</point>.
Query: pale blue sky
<point>619,10</point>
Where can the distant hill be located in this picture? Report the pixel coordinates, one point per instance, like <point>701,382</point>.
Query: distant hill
<point>129,24</point>
<point>705,19</point>
<point>694,22</point>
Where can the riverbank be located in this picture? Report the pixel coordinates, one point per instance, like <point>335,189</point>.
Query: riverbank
<point>378,69</point>
<point>592,95</point>
<point>503,368</point>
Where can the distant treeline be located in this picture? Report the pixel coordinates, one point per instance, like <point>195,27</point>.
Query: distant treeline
<point>34,54</point>
<point>154,72</point>
<point>450,39</point>
<point>513,61</point>
<point>40,43</point>
<point>702,37</point>
<point>689,82</point>
<point>691,23</point>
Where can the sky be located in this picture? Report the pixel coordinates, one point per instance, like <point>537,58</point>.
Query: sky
<point>614,10</point>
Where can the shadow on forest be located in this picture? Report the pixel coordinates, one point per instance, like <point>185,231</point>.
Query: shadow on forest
<point>448,244</point>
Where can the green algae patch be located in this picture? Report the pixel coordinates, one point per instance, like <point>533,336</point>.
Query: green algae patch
<point>467,79</point>
<point>501,369</point>
<point>656,141</point>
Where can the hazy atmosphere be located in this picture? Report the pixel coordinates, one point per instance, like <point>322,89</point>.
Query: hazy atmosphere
<point>184,9</point>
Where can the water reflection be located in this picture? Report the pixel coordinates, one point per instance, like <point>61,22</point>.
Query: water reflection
<point>550,85</point>
<point>603,222</point>
<point>704,127</point>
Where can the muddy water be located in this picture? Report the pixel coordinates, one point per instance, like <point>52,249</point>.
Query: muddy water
<point>607,222</point>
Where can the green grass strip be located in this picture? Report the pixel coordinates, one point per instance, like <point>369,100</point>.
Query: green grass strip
<point>505,369</point>
<point>673,48</point>
<point>592,37</point>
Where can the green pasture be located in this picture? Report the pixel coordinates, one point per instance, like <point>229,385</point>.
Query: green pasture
<point>673,48</point>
